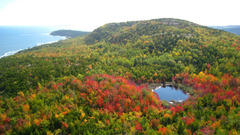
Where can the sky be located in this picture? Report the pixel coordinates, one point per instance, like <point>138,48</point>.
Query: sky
<point>87,15</point>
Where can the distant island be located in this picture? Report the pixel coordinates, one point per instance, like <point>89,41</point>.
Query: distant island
<point>69,33</point>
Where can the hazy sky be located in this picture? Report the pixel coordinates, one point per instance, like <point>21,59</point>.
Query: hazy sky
<point>90,14</point>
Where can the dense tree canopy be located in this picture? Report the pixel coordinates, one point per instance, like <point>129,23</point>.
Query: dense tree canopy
<point>163,46</point>
<point>77,80</point>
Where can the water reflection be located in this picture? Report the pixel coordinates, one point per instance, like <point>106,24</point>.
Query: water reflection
<point>171,93</point>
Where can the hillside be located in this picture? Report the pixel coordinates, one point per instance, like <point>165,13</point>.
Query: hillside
<point>119,32</point>
<point>175,46</point>
<point>93,84</point>
<point>69,33</point>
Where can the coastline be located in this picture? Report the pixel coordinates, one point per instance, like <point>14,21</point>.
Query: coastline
<point>9,53</point>
<point>50,42</point>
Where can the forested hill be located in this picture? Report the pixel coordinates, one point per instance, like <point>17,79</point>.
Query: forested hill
<point>151,51</point>
<point>186,42</point>
<point>156,28</point>
<point>97,84</point>
<point>69,33</point>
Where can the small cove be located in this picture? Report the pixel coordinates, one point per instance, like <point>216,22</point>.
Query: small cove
<point>169,93</point>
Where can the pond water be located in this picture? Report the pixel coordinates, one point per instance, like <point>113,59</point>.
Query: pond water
<point>170,93</point>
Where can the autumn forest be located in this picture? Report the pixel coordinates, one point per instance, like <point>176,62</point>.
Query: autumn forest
<point>98,83</point>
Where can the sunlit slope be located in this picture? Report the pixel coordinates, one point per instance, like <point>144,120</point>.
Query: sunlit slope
<point>151,51</point>
<point>94,84</point>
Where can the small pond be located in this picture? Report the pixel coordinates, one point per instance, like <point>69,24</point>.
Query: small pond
<point>170,93</point>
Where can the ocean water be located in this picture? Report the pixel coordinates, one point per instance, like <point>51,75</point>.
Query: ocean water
<point>16,38</point>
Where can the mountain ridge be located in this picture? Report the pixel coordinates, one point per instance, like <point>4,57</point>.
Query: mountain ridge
<point>116,28</point>
<point>230,28</point>
<point>97,84</point>
<point>163,46</point>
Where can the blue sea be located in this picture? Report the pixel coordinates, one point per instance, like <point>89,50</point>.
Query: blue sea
<point>16,38</point>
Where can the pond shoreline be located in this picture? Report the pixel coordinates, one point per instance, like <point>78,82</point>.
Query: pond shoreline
<point>155,86</point>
